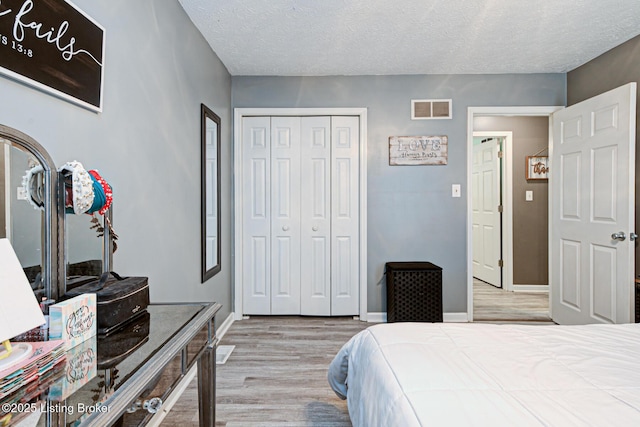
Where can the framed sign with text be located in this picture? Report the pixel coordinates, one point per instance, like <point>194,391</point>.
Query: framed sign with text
<point>418,150</point>
<point>55,47</point>
<point>537,167</point>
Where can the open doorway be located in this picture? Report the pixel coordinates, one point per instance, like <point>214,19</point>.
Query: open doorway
<point>522,290</point>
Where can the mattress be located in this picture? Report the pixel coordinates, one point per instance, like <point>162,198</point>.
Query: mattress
<point>439,374</point>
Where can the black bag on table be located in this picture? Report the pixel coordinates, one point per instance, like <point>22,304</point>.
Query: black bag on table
<point>118,298</point>
<point>75,281</point>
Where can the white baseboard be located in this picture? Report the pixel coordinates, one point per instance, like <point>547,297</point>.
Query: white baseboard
<point>381,317</point>
<point>530,288</point>
<point>224,326</point>
<point>377,317</point>
<point>455,317</point>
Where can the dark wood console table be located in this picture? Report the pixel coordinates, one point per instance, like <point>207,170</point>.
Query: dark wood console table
<point>128,391</point>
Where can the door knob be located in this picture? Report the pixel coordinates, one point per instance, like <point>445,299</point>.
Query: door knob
<point>314,228</point>
<point>285,228</point>
<point>618,236</point>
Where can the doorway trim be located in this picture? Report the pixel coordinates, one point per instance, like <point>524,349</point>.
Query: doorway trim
<point>238,115</point>
<point>493,111</point>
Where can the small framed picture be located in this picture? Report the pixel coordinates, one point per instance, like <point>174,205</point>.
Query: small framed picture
<point>537,167</point>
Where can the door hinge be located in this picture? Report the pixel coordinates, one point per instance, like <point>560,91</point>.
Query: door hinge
<point>500,208</point>
<point>500,154</point>
<point>500,263</point>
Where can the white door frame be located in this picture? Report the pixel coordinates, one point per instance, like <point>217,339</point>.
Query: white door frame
<point>238,115</point>
<point>506,184</point>
<point>492,111</point>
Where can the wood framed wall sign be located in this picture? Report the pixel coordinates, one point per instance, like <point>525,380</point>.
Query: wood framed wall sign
<point>55,47</point>
<point>418,150</point>
<point>537,167</point>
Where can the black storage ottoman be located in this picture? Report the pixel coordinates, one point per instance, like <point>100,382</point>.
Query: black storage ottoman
<point>414,292</point>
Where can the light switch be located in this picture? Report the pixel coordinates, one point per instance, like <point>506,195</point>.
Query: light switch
<point>528,196</point>
<point>455,190</point>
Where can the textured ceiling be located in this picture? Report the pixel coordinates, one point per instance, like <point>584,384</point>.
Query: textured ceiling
<point>385,37</point>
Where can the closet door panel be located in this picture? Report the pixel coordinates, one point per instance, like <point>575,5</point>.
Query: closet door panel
<point>344,216</point>
<point>316,215</point>
<point>256,215</point>
<point>285,215</point>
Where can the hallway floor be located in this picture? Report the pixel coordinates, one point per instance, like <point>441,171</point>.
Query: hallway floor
<point>491,304</point>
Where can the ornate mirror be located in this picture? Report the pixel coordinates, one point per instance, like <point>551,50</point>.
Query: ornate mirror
<point>210,189</point>
<point>28,209</point>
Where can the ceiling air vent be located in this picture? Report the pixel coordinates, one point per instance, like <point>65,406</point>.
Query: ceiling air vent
<point>427,109</point>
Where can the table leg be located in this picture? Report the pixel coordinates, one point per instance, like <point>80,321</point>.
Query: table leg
<point>207,387</point>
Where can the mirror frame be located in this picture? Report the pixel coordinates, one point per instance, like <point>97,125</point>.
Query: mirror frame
<point>206,113</point>
<point>51,248</point>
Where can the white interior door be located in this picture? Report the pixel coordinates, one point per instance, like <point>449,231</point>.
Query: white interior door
<point>315,252</point>
<point>486,214</point>
<point>592,175</point>
<point>256,215</point>
<point>344,216</point>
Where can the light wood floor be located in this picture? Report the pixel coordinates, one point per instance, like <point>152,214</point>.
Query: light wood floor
<point>496,305</point>
<point>276,375</point>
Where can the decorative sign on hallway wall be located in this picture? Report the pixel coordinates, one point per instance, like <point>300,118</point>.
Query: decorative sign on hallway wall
<point>537,167</point>
<point>55,47</point>
<point>418,150</point>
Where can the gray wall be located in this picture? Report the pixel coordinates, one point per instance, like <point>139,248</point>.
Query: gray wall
<point>411,214</point>
<point>530,219</point>
<point>614,68</point>
<point>146,142</point>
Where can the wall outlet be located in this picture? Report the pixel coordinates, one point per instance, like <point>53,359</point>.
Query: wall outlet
<point>528,196</point>
<point>455,190</point>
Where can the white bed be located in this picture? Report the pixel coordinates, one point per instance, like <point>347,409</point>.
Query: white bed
<point>446,374</point>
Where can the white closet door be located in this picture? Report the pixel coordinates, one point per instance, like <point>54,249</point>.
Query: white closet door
<point>256,189</point>
<point>316,216</point>
<point>285,215</point>
<point>344,216</point>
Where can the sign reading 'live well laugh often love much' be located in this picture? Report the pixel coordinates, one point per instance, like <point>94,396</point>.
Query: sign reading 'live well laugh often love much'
<point>54,46</point>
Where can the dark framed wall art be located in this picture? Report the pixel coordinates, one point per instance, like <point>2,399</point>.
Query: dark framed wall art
<point>55,47</point>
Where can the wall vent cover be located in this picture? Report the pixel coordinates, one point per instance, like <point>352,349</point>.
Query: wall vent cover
<point>429,109</point>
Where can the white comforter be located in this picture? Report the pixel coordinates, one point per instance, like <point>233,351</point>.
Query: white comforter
<point>438,374</point>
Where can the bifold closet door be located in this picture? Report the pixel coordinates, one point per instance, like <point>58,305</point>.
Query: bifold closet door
<point>256,215</point>
<point>345,215</point>
<point>315,159</point>
<point>285,215</point>
<point>271,215</point>
<point>300,219</point>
